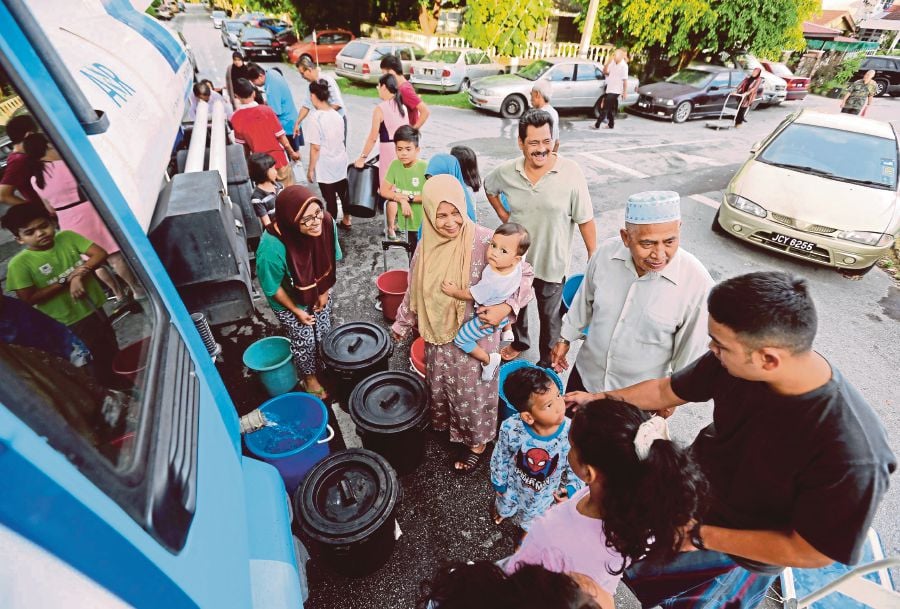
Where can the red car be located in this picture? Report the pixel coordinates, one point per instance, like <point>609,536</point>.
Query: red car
<point>797,86</point>
<point>326,47</point>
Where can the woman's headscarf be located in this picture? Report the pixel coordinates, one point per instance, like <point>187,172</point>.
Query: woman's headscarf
<point>441,259</point>
<point>310,259</point>
<point>448,164</point>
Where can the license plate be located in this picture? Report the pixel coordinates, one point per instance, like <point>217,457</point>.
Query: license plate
<point>349,66</point>
<point>793,243</point>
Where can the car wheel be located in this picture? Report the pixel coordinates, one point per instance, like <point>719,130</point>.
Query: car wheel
<point>464,85</point>
<point>881,87</point>
<point>716,227</point>
<point>513,106</point>
<point>682,112</point>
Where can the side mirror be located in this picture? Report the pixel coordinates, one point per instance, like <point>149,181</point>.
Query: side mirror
<point>755,147</point>
<point>714,88</point>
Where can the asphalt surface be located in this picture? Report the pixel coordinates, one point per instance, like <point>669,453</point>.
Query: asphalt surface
<point>444,516</point>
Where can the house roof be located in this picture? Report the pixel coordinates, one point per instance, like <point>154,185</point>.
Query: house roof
<point>813,28</point>
<point>841,19</point>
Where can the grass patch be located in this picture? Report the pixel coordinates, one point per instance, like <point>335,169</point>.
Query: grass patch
<point>454,100</point>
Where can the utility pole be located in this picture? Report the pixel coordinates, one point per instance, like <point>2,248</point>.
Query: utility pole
<point>589,22</point>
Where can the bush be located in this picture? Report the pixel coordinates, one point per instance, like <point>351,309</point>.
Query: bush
<point>834,76</point>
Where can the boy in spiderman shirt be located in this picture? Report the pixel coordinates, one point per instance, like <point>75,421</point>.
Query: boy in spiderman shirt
<point>530,466</point>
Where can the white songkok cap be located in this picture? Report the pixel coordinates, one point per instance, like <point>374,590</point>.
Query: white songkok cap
<point>653,207</point>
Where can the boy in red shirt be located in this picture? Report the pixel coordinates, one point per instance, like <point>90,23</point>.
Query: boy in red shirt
<point>17,176</point>
<point>259,130</point>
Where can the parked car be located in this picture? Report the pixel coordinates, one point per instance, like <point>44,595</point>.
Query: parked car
<point>230,30</point>
<point>286,38</point>
<point>821,187</point>
<point>797,86</point>
<point>258,42</point>
<point>217,18</point>
<point>276,26</point>
<point>575,83</point>
<point>698,90</point>
<point>360,60</point>
<point>452,69</point>
<point>324,49</point>
<point>887,74</point>
<point>774,88</point>
<point>164,13</point>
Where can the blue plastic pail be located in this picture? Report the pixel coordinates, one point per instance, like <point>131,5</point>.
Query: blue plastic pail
<point>294,438</point>
<point>570,288</point>
<point>271,359</point>
<point>506,409</point>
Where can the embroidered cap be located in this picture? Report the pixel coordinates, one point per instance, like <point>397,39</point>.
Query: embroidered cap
<point>653,207</point>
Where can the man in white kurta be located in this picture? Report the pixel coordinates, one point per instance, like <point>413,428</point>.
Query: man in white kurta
<point>641,308</point>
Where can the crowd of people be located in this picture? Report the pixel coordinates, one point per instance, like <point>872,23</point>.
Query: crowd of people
<point>790,473</point>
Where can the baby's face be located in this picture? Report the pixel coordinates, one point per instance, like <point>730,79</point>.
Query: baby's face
<point>502,252</point>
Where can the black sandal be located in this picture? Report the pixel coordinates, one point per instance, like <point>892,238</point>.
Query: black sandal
<point>469,460</point>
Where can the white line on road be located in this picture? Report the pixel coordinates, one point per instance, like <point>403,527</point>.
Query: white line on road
<point>706,201</point>
<point>624,148</point>
<point>616,166</point>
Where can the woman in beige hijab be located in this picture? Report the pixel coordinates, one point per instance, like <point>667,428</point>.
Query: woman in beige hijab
<point>453,249</point>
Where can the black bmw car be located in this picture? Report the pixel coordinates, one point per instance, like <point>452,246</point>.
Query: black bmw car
<point>698,90</point>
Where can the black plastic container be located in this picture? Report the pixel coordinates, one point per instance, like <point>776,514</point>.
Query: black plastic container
<point>363,189</point>
<point>353,352</point>
<point>346,505</point>
<point>390,412</point>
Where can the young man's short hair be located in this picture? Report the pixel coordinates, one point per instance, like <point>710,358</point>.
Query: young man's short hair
<point>244,89</point>
<point>393,63</point>
<point>522,383</point>
<point>258,166</point>
<point>534,117</point>
<point>508,229</point>
<point>407,133</point>
<point>766,309</point>
<point>20,126</point>
<point>20,216</point>
<point>254,71</point>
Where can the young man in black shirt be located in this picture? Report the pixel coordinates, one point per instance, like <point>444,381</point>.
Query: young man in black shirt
<point>797,460</point>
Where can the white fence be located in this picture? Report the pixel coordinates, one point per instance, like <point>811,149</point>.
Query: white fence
<point>535,50</point>
<point>8,107</point>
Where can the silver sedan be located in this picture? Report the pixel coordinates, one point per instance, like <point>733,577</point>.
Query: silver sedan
<point>452,70</point>
<point>575,83</point>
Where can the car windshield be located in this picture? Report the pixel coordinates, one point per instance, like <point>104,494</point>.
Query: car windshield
<point>835,154</point>
<point>779,69</point>
<point>255,32</point>
<point>308,38</point>
<point>442,56</point>
<point>692,78</point>
<point>535,69</point>
<point>234,26</point>
<point>355,50</point>
<point>218,14</point>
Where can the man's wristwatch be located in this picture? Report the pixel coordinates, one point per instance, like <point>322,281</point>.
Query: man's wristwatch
<point>562,341</point>
<point>696,538</point>
<point>63,280</point>
<point>411,199</point>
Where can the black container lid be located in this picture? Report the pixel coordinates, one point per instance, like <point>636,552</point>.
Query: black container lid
<point>388,402</point>
<point>347,496</point>
<point>356,345</point>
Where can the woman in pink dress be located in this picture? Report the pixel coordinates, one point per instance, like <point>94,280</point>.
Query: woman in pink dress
<point>58,188</point>
<point>387,117</point>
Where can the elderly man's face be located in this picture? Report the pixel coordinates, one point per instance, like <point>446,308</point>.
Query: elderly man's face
<point>652,246</point>
<point>868,76</point>
<point>537,100</point>
<point>537,146</point>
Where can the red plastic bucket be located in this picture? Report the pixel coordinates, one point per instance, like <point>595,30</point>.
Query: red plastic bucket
<point>391,289</point>
<point>417,356</point>
<point>130,361</point>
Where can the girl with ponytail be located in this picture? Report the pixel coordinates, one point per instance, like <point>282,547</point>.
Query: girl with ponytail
<point>641,494</point>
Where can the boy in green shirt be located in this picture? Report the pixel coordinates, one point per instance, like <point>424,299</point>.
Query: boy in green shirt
<point>402,186</point>
<point>52,275</point>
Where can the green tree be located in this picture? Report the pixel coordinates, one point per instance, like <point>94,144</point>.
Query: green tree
<point>680,29</point>
<point>504,24</point>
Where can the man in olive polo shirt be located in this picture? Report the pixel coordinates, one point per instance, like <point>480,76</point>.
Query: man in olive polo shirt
<point>548,195</point>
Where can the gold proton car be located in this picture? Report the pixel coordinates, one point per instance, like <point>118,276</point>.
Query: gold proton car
<point>821,187</point>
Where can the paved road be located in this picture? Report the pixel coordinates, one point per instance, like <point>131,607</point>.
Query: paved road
<point>859,330</point>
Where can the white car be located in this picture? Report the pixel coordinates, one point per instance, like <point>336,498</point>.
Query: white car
<point>774,88</point>
<point>821,187</point>
<point>452,69</point>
